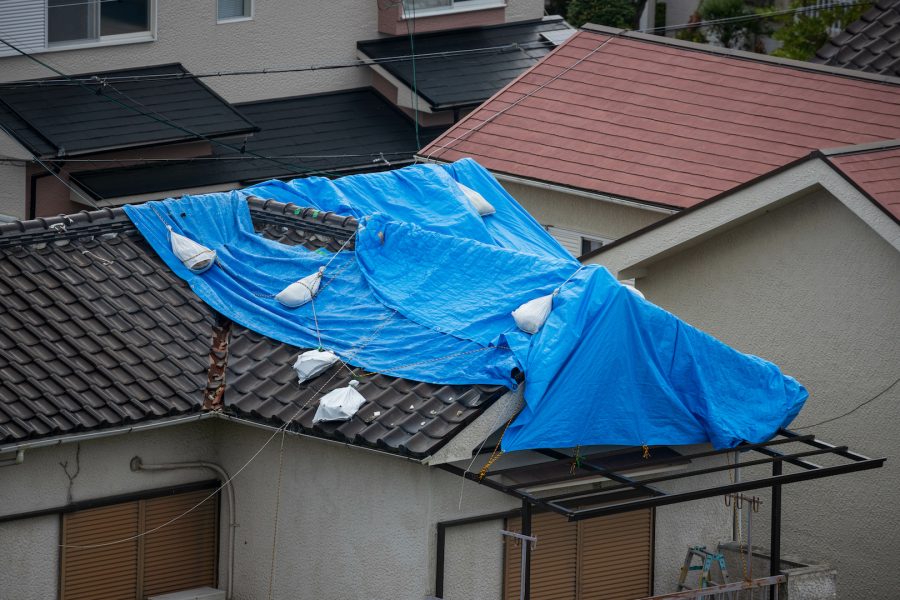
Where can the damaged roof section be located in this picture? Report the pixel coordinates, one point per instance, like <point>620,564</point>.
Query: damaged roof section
<point>82,301</point>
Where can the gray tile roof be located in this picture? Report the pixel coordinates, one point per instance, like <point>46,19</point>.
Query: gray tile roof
<point>53,117</point>
<point>870,44</point>
<point>465,79</point>
<point>96,332</point>
<point>342,131</point>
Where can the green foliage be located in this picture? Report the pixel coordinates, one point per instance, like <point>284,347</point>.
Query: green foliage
<point>801,34</point>
<point>740,30</point>
<point>613,13</point>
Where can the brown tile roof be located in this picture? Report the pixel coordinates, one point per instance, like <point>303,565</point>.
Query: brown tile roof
<point>871,44</point>
<point>667,123</point>
<point>877,173</point>
<point>97,333</point>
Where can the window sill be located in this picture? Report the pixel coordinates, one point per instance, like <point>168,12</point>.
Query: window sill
<point>113,41</point>
<point>471,6</point>
<point>233,20</point>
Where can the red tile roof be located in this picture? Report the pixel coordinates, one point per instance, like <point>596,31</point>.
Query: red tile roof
<point>877,173</point>
<point>644,118</point>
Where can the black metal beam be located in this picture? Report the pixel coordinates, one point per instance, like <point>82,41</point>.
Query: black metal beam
<point>605,472</point>
<point>526,548</point>
<point>705,471</point>
<point>775,544</point>
<point>577,515</point>
<point>534,500</point>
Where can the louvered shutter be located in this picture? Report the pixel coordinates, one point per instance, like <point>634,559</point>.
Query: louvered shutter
<point>606,558</point>
<point>107,572</point>
<point>23,22</point>
<point>181,555</point>
<point>615,556</point>
<point>553,566</point>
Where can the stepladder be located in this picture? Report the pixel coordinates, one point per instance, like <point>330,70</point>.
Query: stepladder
<point>709,563</point>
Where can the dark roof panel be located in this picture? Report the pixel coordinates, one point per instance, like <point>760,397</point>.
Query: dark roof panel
<point>74,119</point>
<point>460,78</point>
<point>321,133</point>
<point>870,44</point>
<point>96,332</point>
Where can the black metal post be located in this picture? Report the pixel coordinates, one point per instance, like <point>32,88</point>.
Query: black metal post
<point>439,567</point>
<point>526,568</point>
<point>775,550</point>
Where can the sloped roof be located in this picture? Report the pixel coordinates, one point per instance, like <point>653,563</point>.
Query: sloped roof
<point>97,333</point>
<point>666,122</point>
<point>871,44</point>
<point>876,172</point>
<point>466,79</point>
<point>55,117</point>
<point>339,131</point>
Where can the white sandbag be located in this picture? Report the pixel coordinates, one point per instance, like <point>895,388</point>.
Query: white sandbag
<point>301,291</point>
<point>313,363</point>
<point>340,404</point>
<point>530,316</point>
<point>194,256</point>
<point>483,207</point>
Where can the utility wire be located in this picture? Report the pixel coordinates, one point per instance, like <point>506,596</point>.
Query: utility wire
<point>753,17</point>
<point>69,81</point>
<point>165,121</point>
<point>215,158</point>
<point>853,410</point>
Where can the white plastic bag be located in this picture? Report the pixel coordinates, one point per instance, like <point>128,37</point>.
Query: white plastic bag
<point>483,207</point>
<point>340,404</point>
<point>194,256</point>
<point>313,363</point>
<point>530,316</point>
<point>301,291</point>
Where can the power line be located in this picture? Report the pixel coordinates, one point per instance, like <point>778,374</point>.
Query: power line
<point>138,160</point>
<point>754,17</point>
<point>69,81</point>
<point>853,410</point>
<point>164,120</point>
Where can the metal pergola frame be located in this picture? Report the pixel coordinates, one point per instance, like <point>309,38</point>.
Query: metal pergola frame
<point>627,493</point>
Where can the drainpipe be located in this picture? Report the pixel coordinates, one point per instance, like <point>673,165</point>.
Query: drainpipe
<point>138,465</point>
<point>18,459</point>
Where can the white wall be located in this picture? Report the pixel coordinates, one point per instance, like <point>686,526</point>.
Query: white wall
<point>355,524</point>
<point>282,33</point>
<point>812,288</point>
<point>29,549</point>
<point>12,188</point>
<point>586,215</point>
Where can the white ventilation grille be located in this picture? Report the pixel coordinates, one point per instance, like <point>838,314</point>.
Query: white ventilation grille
<point>22,23</point>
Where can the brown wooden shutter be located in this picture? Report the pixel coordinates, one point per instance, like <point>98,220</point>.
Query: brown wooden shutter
<point>553,566</point>
<point>606,558</point>
<point>181,555</point>
<point>105,573</point>
<point>615,557</point>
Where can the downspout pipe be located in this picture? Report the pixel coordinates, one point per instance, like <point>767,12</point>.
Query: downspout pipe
<point>138,465</point>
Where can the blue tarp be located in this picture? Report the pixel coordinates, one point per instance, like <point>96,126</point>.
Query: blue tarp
<point>428,293</point>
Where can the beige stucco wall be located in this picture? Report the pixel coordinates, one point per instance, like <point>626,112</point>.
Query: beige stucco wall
<point>812,288</point>
<point>282,33</point>
<point>586,215</point>
<point>29,551</point>
<point>12,188</point>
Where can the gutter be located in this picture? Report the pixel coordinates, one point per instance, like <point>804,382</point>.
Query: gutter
<point>566,190</point>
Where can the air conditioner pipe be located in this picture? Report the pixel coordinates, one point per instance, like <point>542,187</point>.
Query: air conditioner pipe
<point>18,459</point>
<point>138,465</point>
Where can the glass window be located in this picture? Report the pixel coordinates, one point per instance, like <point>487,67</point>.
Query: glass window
<point>233,9</point>
<point>124,16</point>
<point>70,20</point>
<point>91,20</point>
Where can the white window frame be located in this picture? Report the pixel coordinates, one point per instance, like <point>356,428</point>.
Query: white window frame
<point>248,17</point>
<point>107,40</point>
<point>454,8</point>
